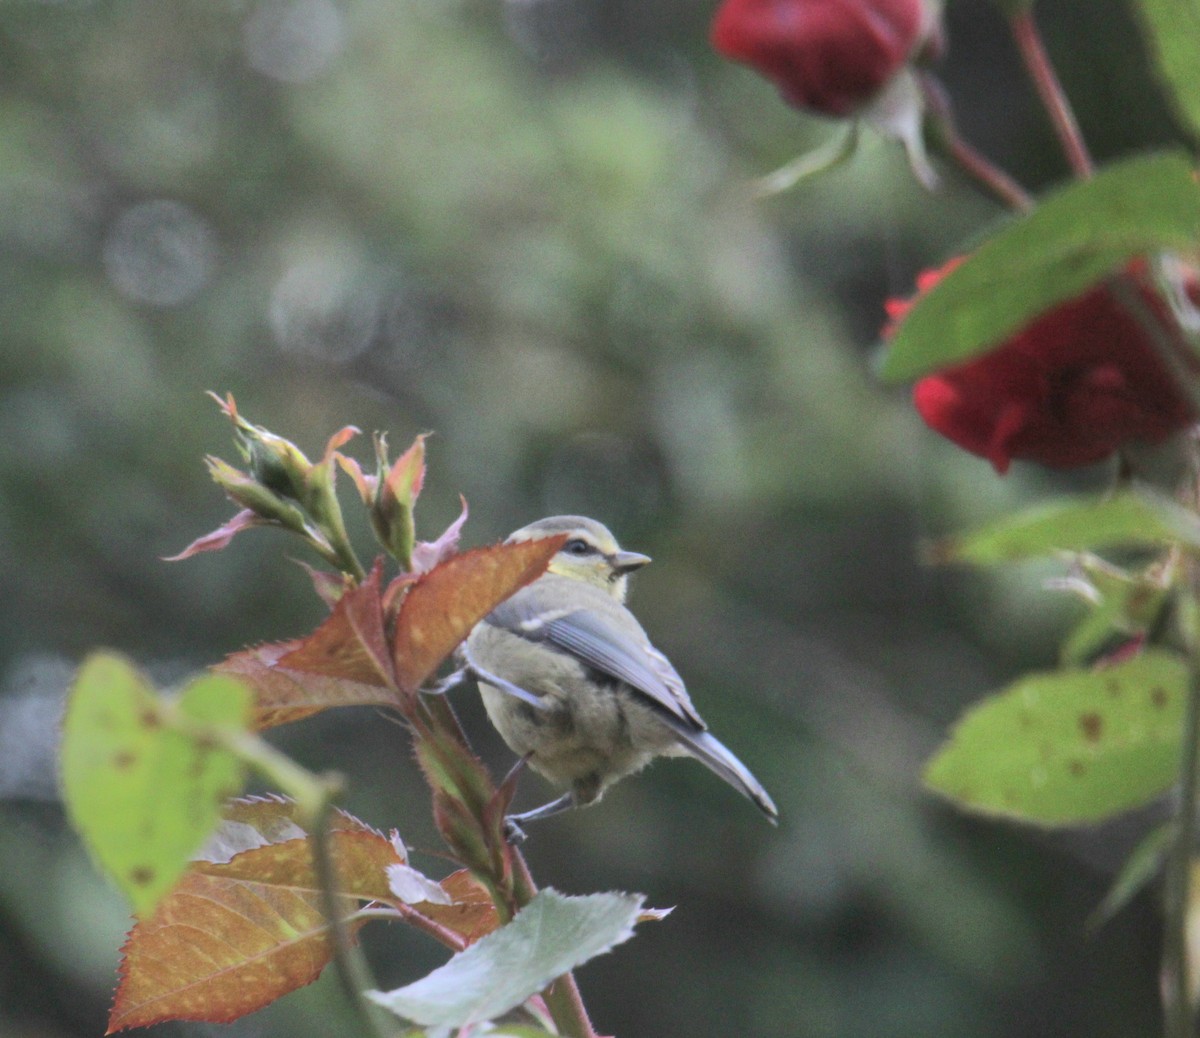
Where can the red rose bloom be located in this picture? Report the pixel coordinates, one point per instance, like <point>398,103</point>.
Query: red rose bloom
<point>1067,390</point>
<point>832,56</point>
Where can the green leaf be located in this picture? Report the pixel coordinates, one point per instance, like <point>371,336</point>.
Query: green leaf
<point>1070,746</point>
<point>1076,237</point>
<point>1123,605</point>
<point>1131,519</point>
<point>1139,869</point>
<point>549,937</point>
<point>142,782</point>
<point>1172,29</point>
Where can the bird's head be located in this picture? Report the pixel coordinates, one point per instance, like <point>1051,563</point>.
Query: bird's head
<point>590,552</point>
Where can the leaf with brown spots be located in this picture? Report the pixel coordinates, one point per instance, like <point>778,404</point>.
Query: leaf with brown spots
<point>143,776</point>
<point>443,605</point>
<point>1070,746</point>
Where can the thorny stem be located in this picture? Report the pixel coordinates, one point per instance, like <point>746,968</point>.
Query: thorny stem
<point>418,921</point>
<point>1037,62</point>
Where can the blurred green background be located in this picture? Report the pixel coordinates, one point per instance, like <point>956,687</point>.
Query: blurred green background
<point>527,225</point>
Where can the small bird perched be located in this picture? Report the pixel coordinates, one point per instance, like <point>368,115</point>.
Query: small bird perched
<point>574,686</point>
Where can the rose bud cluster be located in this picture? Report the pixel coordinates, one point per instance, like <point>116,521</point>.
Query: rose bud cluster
<point>832,57</point>
<point>1070,388</point>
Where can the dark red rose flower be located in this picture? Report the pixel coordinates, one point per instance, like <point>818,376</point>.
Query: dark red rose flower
<point>832,56</point>
<point>1068,389</point>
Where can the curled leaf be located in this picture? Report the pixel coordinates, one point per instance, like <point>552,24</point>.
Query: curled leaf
<point>428,554</point>
<point>220,537</point>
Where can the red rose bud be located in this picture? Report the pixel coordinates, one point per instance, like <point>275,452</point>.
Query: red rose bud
<point>1068,389</point>
<point>831,56</point>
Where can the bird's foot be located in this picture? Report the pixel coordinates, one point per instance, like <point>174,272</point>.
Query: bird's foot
<point>514,835</point>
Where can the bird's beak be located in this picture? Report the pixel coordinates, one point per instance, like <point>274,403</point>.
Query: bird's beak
<point>627,561</point>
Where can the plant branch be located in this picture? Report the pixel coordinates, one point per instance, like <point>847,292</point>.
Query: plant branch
<point>1041,70</point>
<point>832,153</point>
<point>314,796</point>
<point>1177,969</point>
<point>511,886</point>
<point>944,135</point>
<point>402,913</point>
<point>348,959</point>
<point>986,173</point>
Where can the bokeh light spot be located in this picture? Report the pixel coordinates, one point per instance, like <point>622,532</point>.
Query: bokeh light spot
<point>293,40</point>
<point>160,252</point>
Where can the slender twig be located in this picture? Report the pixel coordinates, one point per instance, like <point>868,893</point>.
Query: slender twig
<point>509,893</point>
<point>402,913</point>
<point>986,173</point>
<point>1177,997</point>
<point>944,135</point>
<point>314,796</point>
<point>830,154</point>
<point>353,972</point>
<point>1041,70</point>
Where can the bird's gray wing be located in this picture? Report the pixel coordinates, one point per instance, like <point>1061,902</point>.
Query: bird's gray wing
<point>597,640</point>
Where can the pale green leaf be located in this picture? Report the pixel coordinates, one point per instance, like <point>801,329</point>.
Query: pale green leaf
<point>1139,869</point>
<point>1123,605</point>
<point>1131,519</point>
<point>1070,746</point>
<point>1172,28</point>
<point>143,793</point>
<point>550,936</point>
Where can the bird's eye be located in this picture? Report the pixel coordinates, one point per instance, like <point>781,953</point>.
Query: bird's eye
<point>578,546</point>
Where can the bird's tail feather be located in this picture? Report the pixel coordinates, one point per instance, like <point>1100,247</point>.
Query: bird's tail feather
<point>712,753</point>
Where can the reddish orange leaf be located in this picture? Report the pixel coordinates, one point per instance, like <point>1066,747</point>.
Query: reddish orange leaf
<point>440,609</point>
<point>245,925</point>
<point>217,948</point>
<point>473,913</point>
<point>350,644</point>
<point>361,857</point>
<point>283,695</point>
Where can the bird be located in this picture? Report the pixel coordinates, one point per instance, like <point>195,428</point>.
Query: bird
<point>573,684</point>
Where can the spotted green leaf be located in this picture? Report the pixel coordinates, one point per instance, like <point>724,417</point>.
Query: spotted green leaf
<point>142,782</point>
<point>1070,746</point>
